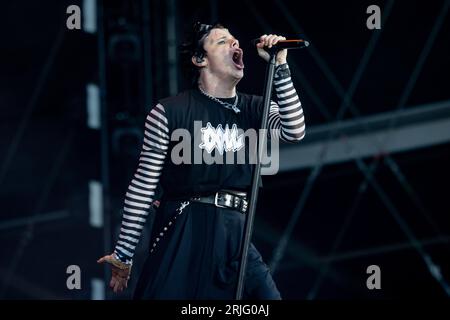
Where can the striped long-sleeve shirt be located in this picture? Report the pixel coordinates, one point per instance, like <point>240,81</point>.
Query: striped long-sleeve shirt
<point>286,116</point>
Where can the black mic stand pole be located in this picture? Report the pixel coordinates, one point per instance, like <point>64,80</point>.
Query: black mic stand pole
<point>248,228</point>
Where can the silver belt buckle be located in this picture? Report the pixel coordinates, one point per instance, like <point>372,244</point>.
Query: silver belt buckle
<point>244,205</point>
<point>216,199</point>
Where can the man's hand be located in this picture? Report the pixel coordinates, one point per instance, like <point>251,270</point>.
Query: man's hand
<point>269,41</point>
<point>120,273</point>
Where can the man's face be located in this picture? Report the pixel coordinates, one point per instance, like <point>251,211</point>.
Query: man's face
<point>225,58</point>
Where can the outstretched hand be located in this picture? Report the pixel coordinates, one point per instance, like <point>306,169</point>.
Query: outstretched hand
<point>269,41</point>
<point>120,273</point>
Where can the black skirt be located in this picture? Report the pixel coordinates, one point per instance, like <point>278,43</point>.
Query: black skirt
<point>195,252</point>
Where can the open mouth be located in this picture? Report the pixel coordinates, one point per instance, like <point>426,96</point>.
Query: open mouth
<point>238,59</point>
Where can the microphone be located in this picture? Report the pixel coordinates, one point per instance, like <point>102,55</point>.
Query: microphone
<point>285,44</point>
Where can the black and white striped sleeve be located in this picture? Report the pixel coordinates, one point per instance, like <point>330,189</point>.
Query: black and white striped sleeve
<point>286,118</point>
<point>141,190</point>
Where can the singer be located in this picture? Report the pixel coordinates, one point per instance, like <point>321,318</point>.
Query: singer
<point>196,238</point>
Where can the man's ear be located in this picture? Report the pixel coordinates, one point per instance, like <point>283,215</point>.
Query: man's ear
<point>199,62</point>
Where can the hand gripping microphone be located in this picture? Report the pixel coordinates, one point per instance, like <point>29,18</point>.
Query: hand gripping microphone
<point>285,44</point>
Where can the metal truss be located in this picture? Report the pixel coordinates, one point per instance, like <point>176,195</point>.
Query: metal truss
<point>28,233</point>
<point>355,254</point>
<point>420,126</point>
<point>31,104</point>
<point>367,172</point>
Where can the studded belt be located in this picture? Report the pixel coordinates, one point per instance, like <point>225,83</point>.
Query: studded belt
<point>224,199</point>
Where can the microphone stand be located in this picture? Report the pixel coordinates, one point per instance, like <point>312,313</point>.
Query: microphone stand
<point>256,174</point>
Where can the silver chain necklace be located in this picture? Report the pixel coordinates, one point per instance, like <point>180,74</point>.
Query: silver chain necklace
<point>225,104</point>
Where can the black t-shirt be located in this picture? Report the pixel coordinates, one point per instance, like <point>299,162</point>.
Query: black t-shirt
<point>211,126</point>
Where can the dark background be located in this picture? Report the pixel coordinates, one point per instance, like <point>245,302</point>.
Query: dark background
<point>48,155</point>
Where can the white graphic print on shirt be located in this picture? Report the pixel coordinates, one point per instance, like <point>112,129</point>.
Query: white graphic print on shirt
<point>228,140</point>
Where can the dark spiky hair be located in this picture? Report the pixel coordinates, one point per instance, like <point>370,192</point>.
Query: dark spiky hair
<point>193,47</point>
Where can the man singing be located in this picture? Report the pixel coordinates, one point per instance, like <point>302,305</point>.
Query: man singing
<point>198,228</point>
